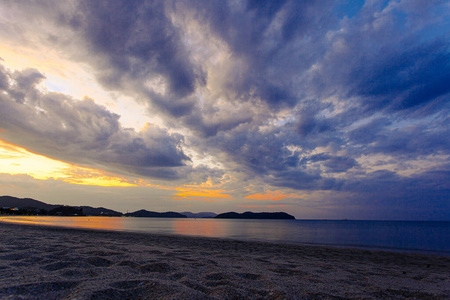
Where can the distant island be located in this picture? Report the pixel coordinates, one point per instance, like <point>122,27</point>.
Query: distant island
<point>26,206</point>
<point>252,215</point>
<point>151,214</point>
<point>200,215</point>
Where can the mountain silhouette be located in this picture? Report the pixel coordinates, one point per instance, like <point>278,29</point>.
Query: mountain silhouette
<point>152,214</point>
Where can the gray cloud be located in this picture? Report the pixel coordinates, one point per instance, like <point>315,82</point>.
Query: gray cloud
<point>386,195</point>
<point>264,35</point>
<point>136,42</point>
<point>387,58</point>
<point>339,164</point>
<point>83,132</point>
<point>420,137</point>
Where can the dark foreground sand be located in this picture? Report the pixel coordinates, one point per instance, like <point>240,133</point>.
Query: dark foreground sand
<point>56,263</point>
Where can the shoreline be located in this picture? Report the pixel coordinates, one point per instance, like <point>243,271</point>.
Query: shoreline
<point>60,262</point>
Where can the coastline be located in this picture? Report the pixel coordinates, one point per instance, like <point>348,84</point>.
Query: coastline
<point>43,262</point>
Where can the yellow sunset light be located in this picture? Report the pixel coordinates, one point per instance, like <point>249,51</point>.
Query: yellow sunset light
<point>271,195</point>
<point>17,160</point>
<point>204,193</point>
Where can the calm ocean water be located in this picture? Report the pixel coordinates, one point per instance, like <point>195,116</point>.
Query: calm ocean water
<point>405,236</point>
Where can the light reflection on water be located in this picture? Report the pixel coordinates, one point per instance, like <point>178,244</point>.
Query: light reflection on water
<point>105,223</point>
<point>221,228</point>
<point>392,235</point>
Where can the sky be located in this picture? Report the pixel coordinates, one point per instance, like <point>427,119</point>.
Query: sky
<point>322,109</point>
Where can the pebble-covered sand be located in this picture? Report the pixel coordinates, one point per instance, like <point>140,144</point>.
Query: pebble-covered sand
<point>39,262</point>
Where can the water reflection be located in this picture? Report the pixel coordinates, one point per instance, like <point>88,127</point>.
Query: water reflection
<point>273,230</point>
<point>105,223</point>
<point>200,227</point>
<point>430,236</point>
<point>267,230</point>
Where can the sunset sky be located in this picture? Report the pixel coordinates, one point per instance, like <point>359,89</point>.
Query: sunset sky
<point>322,109</point>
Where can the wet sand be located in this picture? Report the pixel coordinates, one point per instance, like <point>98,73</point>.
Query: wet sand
<point>38,262</point>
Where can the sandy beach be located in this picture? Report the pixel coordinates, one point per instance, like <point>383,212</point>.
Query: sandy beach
<point>38,262</point>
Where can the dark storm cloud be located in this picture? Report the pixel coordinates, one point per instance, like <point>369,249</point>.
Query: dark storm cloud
<point>309,125</point>
<point>414,141</point>
<point>388,56</point>
<point>302,180</point>
<point>134,45</point>
<point>133,42</point>
<point>371,62</point>
<point>83,132</point>
<point>339,164</point>
<point>4,81</point>
<point>291,53</point>
<point>257,151</point>
<point>266,154</point>
<point>423,137</point>
<point>367,133</point>
<point>273,38</point>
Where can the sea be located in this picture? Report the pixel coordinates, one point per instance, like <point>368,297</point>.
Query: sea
<point>400,236</point>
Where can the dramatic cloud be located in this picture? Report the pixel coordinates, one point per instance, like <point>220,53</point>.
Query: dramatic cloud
<point>80,131</point>
<point>387,58</point>
<point>384,194</point>
<point>343,97</point>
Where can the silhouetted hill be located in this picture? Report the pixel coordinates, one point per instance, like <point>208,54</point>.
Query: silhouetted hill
<point>9,201</point>
<point>151,214</point>
<point>66,211</point>
<point>252,215</point>
<point>32,204</point>
<point>28,205</point>
<point>100,211</point>
<point>199,215</point>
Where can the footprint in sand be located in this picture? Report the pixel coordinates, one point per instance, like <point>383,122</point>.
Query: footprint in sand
<point>97,261</point>
<point>41,290</point>
<point>158,267</point>
<point>249,276</point>
<point>58,266</point>
<point>126,285</point>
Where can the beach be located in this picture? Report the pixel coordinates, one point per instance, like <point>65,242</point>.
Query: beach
<point>39,262</point>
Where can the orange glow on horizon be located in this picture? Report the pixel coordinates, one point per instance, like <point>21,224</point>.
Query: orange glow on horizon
<point>271,195</point>
<point>203,193</point>
<point>205,189</point>
<point>16,160</point>
<point>257,206</point>
<point>207,184</point>
<point>193,198</point>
